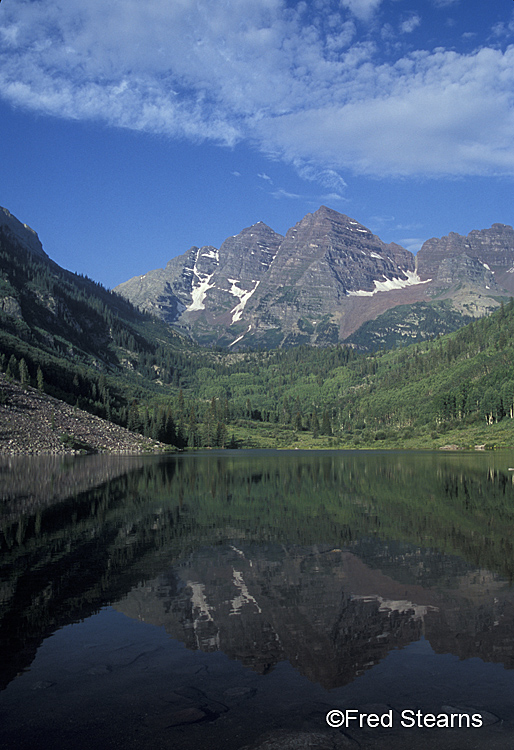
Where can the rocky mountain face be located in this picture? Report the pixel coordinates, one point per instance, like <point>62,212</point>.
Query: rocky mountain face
<point>485,256</point>
<point>207,288</point>
<point>20,233</point>
<point>321,282</point>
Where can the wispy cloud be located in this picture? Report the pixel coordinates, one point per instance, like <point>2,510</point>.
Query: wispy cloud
<point>445,3</point>
<point>328,178</point>
<point>503,29</point>
<point>411,23</point>
<point>281,193</point>
<point>362,9</point>
<point>331,197</point>
<point>294,81</point>
<point>411,243</point>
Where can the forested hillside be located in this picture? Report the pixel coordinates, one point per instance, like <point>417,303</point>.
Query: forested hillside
<point>78,341</point>
<point>460,386</point>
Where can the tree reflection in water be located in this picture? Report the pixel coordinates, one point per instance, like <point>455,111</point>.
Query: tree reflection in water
<point>328,562</point>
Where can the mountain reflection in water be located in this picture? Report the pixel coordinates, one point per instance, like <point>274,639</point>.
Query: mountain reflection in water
<point>329,562</point>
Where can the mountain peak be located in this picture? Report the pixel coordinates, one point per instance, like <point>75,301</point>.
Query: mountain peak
<point>326,211</point>
<point>318,283</point>
<point>22,233</point>
<point>323,212</point>
<point>335,217</point>
<point>258,228</point>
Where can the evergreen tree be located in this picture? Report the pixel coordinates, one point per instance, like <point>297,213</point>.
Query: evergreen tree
<point>170,433</point>
<point>146,423</point>
<point>133,417</point>
<point>192,428</point>
<point>24,373</point>
<point>180,406</point>
<point>40,380</point>
<point>12,371</point>
<point>221,434</point>
<point>315,423</point>
<point>326,426</point>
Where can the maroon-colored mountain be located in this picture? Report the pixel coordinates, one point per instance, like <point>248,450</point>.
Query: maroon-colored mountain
<point>320,282</point>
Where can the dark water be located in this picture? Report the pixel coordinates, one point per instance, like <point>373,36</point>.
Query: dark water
<point>231,600</point>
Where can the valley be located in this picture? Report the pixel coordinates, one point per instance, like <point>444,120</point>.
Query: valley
<point>425,370</point>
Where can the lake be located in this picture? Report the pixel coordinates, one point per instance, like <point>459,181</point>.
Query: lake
<point>258,599</point>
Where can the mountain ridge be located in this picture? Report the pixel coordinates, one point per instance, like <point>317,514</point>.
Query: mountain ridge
<point>320,282</point>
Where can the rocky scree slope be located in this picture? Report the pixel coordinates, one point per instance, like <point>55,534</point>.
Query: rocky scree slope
<point>33,423</point>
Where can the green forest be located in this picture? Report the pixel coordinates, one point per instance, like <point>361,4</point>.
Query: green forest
<point>71,338</point>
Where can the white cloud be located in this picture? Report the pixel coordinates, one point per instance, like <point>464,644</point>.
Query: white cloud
<point>362,9</point>
<point>434,113</point>
<point>411,23</point>
<point>329,178</point>
<point>330,198</point>
<point>295,82</point>
<point>281,193</point>
<point>502,29</point>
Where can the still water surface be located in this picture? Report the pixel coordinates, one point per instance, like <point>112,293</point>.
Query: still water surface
<point>233,599</point>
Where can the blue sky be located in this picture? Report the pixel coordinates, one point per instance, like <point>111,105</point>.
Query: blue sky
<point>131,130</point>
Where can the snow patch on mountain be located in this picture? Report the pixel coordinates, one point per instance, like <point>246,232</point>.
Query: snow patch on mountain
<point>243,295</point>
<point>200,287</point>
<point>214,254</point>
<point>241,336</point>
<point>389,284</point>
<point>199,292</point>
